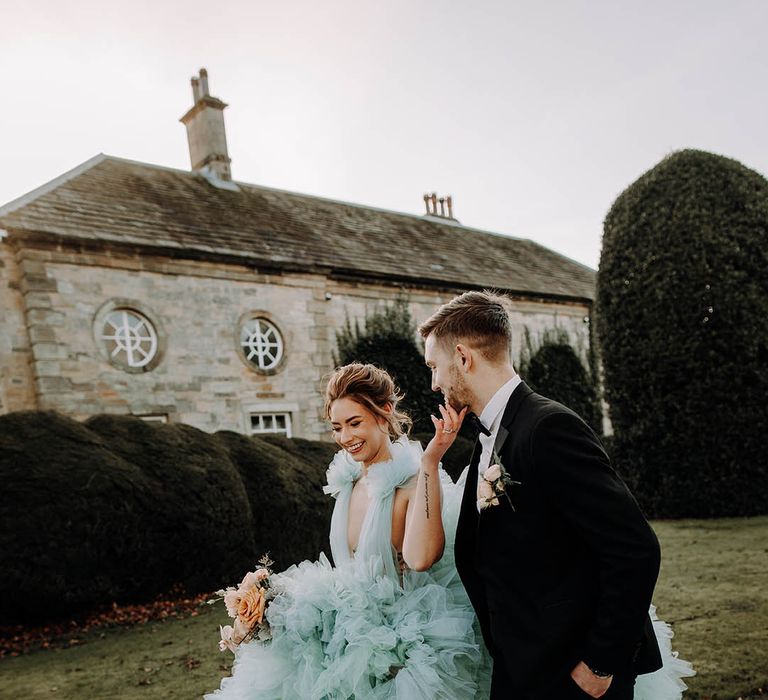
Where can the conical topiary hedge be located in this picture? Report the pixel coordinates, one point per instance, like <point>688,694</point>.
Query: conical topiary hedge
<point>682,311</point>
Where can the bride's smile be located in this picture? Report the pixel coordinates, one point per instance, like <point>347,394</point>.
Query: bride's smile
<point>359,431</point>
<point>354,448</point>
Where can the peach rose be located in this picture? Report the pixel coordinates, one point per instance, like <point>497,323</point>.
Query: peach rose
<point>485,495</point>
<point>492,473</point>
<point>251,608</point>
<point>241,631</point>
<point>261,574</point>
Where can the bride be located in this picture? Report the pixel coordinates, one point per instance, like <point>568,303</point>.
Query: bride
<point>391,618</point>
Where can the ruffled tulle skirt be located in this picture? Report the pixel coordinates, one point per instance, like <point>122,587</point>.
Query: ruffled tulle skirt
<point>347,632</point>
<point>666,683</point>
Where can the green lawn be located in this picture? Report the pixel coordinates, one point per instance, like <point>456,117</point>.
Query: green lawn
<point>713,589</point>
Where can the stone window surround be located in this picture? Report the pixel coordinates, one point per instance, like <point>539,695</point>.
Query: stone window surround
<point>270,407</point>
<point>139,307</point>
<point>287,430</point>
<point>267,316</point>
<point>153,417</point>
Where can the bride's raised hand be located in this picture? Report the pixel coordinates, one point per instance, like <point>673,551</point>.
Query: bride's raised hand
<point>446,429</point>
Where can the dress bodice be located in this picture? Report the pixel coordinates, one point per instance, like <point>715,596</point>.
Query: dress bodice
<point>382,479</point>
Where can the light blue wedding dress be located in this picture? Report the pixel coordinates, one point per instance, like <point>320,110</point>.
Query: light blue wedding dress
<point>365,630</point>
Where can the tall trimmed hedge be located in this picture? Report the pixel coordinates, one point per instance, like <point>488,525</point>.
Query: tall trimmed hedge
<point>555,370</point>
<point>683,325</point>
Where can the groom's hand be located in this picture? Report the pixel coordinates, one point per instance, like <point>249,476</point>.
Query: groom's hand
<point>592,685</point>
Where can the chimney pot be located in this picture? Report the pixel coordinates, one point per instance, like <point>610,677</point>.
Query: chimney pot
<point>431,201</point>
<point>205,132</point>
<point>204,81</point>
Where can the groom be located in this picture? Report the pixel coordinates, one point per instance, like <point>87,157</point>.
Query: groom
<point>561,574</point>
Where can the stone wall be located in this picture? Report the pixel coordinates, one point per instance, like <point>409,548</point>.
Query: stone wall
<point>16,384</point>
<point>201,378</point>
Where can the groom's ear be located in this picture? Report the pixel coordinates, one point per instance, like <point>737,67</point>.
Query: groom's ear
<point>464,356</point>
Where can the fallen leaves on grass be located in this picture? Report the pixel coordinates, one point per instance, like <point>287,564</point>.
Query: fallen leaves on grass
<point>20,639</point>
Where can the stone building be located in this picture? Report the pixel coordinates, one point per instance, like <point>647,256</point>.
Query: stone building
<point>185,296</point>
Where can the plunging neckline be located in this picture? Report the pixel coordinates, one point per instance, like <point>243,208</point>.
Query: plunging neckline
<point>374,541</point>
<point>364,480</point>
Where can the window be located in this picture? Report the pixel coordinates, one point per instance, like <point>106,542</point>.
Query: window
<point>261,343</point>
<point>274,423</point>
<point>129,335</point>
<point>153,417</point>
<point>129,338</point>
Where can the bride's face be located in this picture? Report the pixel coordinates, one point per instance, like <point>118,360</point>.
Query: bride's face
<point>359,431</point>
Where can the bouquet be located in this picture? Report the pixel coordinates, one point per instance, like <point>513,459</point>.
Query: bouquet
<point>247,604</point>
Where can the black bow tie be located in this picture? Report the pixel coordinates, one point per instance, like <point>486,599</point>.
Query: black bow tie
<point>476,425</point>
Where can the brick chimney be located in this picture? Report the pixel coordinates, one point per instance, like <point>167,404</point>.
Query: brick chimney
<point>205,132</point>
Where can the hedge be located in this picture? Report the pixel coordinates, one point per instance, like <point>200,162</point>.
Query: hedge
<point>284,481</point>
<point>119,510</point>
<point>114,509</point>
<point>682,312</point>
<point>554,370</point>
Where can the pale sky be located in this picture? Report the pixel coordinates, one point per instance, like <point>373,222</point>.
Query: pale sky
<point>533,115</point>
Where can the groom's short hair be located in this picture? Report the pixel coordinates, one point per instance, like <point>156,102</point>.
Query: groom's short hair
<point>481,319</point>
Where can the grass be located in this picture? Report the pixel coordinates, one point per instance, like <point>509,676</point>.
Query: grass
<point>170,659</point>
<point>713,589</point>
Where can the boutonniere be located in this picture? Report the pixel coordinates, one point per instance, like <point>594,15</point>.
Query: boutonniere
<point>494,485</point>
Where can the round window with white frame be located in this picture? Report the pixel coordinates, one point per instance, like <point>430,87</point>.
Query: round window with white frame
<point>261,343</point>
<point>129,338</point>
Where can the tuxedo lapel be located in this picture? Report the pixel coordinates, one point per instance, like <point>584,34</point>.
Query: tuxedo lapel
<point>501,437</point>
<point>519,395</point>
<point>466,529</point>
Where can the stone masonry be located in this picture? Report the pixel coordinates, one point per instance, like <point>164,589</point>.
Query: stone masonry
<point>52,358</point>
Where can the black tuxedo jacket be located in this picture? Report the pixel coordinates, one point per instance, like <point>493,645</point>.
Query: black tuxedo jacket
<point>567,571</point>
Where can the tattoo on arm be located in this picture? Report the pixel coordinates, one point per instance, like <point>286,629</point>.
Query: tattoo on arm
<point>426,493</point>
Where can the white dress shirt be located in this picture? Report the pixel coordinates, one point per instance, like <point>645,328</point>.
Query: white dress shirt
<point>491,419</point>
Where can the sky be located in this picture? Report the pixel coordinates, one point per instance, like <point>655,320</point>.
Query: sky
<point>534,116</point>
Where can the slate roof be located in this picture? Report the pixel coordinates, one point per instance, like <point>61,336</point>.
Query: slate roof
<point>130,203</point>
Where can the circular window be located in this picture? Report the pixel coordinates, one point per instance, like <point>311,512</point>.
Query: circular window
<point>261,343</point>
<point>129,338</point>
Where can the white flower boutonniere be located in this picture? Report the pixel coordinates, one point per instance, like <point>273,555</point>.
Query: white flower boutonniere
<point>494,485</point>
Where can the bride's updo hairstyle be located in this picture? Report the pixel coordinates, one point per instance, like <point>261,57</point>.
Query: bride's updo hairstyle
<point>372,388</point>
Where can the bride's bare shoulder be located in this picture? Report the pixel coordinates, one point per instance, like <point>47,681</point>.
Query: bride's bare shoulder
<point>405,493</point>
